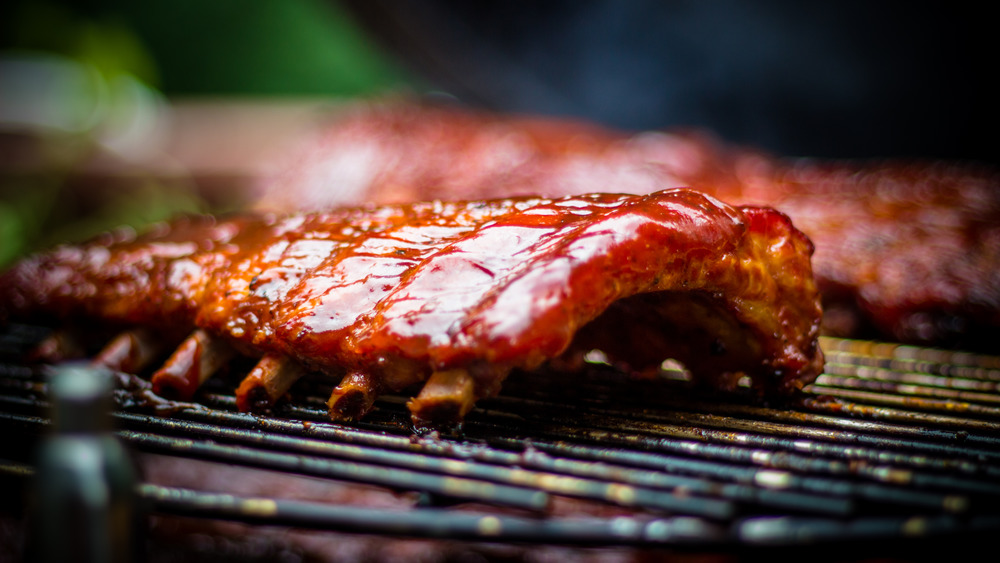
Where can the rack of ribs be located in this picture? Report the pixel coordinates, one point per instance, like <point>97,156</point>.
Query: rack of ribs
<point>908,251</point>
<point>449,296</point>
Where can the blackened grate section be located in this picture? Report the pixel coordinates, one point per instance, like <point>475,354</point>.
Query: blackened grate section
<point>892,443</point>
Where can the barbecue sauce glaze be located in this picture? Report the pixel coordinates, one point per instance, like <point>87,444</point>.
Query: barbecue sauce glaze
<point>399,292</point>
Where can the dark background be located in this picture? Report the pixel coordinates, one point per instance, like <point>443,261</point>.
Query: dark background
<point>830,79</point>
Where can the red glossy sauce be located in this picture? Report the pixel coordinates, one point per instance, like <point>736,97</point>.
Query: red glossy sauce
<point>401,291</point>
<point>908,251</point>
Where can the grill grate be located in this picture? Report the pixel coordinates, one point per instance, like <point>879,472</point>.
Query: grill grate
<point>892,443</point>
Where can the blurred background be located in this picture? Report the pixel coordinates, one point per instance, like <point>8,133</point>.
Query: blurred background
<point>115,111</point>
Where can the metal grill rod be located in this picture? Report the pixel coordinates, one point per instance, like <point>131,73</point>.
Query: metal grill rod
<point>597,428</point>
<point>543,429</point>
<point>949,502</point>
<point>396,478</point>
<point>529,458</point>
<point>423,522</point>
<point>703,465</point>
<point>926,429</point>
<point>916,403</point>
<point>985,431</point>
<point>551,483</point>
<point>678,532</point>
<point>873,492</point>
<point>703,426</point>
<point>918,380</point>
<point>835,450</point>
<point>436,523</point>
<point>913,358</point>
<point>748,494</point>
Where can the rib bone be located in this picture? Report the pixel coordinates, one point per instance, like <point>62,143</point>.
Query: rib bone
<point>130,352</point>
<point>57,347</point>
<point>194,361</point>
<point>447,396</point>
<point>267,382</point>
<point>353,397</point>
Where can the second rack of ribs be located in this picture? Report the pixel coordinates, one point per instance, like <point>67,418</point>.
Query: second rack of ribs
<point>450,295</point>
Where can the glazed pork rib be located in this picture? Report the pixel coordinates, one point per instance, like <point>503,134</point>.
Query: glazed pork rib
<point>907,251</point>
<point>452,295</point>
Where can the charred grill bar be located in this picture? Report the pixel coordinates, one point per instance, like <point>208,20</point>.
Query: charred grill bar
<point>891,444</point>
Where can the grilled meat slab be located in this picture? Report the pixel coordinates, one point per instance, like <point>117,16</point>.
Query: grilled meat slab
<point>451,295</point>
<point>907,251</point>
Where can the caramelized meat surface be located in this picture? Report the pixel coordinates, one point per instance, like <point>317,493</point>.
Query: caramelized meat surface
<point>451,295</point>
<point>905,251</point>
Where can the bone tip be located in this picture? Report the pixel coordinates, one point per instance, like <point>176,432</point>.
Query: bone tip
<point>267,383</point>
<point>438,414</point>
<point>349,405</point>
<point>172,386</point>
<point>254,399</point>
<point>445,399</point>
<point>433,410</point>
<point>57,347</point>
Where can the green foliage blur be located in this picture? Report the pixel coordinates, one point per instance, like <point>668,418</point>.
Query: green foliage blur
<point>211,47</point>
<point>167,49</point>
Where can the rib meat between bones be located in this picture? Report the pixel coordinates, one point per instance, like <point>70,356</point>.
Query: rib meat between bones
<point>452,295</point>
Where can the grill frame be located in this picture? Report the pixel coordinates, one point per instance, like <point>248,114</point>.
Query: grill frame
<point>894,446</point>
